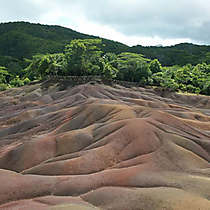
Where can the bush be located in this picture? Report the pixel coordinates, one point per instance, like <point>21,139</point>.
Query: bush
<point>3,87</point>
<point>155,66</point>
<point>206,88</point>
<point>26,81</point>
<point>16,82</point>
<point>191,88</point>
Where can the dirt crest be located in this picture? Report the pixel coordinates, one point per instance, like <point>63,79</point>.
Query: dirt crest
<point>94,146</point>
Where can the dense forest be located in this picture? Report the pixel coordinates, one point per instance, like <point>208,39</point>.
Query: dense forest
<point>180,54</point>
<point>33,51</point>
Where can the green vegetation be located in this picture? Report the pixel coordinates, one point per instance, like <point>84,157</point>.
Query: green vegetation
<point>84,57</point>
<point>132,67</point>
<point>42,65</point>
<point>193,79</point>
<point>180,54</point>
<point>21,40</point>
<point>32,51</point>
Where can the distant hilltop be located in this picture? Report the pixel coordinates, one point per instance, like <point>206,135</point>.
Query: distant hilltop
<point>20,40</point>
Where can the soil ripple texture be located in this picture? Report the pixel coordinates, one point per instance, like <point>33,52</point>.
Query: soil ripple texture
<point>94,146</point>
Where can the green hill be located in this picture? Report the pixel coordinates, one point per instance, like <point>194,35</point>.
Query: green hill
<point>20,40</point>
<point>179,54</point>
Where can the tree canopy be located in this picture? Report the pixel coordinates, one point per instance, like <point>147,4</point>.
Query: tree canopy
<point>84,57</point>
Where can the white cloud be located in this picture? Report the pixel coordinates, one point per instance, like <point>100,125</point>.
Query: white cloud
<point>145,22</point>
<point>108,32</point>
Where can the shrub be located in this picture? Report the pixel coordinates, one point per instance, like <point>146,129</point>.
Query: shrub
<point>26,81</point>
<point>191,88</point>
<point>16,82</point>
<point>3,87</point>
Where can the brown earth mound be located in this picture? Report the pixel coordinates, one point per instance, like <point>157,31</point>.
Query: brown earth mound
<point>98,147</point>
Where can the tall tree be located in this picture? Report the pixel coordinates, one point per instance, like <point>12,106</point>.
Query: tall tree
<point>132,67</point>
<point>83,57</point>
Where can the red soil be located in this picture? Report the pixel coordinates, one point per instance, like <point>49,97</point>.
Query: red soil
<point>100,147</point>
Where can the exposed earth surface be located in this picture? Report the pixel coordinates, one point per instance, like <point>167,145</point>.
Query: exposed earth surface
<point>92,146</point>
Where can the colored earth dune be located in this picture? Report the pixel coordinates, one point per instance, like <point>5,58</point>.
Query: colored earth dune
<point>94,146</point>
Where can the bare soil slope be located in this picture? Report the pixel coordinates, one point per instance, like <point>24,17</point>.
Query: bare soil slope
<point>98,147</point>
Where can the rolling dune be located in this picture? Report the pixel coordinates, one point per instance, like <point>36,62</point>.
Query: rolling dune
<point>94,146</point>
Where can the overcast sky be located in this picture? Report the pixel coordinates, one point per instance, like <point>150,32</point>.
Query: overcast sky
<point>144,22</point>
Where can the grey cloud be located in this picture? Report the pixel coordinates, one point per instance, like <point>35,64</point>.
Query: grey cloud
<point>163,18</point>
<point>167,19</point>
<point>20,10</point>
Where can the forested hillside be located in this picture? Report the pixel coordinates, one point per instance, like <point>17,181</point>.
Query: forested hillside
<point>180,54</point>
<point>32,51</point>
<point>23,40</point>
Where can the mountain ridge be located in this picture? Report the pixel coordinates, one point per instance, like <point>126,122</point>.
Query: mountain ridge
<point>23,40</point>
<point>61,36</point>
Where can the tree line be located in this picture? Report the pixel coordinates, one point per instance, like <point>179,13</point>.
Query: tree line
<point>84,57</point>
